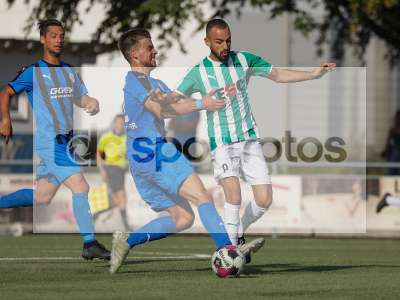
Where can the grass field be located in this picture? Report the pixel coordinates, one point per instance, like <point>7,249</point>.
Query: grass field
<point>49,267</point>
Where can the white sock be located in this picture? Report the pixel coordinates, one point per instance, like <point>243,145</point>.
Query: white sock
<point>252,213</point>
<point>232,219</point>
<point>392,200</point>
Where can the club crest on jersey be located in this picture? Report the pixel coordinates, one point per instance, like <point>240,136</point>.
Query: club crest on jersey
<point>233,90</point>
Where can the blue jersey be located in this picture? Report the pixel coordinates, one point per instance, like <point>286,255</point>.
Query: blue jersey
<point>142,126</point>
<point>157,167</point>
<point>52,90</point>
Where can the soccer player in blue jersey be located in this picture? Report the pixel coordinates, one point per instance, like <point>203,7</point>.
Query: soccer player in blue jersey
<point>53,87</point>
<point>163,177</point>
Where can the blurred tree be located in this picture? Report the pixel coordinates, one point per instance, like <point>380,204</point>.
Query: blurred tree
<point>345,22</point>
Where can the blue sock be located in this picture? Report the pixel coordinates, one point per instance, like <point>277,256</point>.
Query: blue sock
<point>154,230</point>
<point>83,216</point>
<point>213,223</point>
<point>20,198</point>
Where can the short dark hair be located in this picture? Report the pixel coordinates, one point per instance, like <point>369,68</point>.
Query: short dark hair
<point>130,38</point>
<point>45,24</point>
<point>118,116</point>
<point>220,23</point>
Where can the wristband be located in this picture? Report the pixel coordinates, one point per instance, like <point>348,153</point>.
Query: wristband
<point>199,104</point>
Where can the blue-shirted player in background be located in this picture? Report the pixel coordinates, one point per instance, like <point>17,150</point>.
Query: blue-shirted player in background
<point>53,87</point>
<point>163,177</point>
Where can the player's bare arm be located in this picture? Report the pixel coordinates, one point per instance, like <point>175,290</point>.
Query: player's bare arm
<point>6,126</point>
<point>286,75</point>
<point>89,104</point>
<point>164,98</point>
<point>184,106</point>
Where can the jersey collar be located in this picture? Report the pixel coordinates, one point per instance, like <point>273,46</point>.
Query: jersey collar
<point>218,63</point>
<point>51,65</point>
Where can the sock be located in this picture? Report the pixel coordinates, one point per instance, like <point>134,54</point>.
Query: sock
<point>232,219</point>
<point>83,216</point>
<point>213,223</point>
<point>20,198</point>
<point>122,211</point>
<point>252,213</point>
<point>392,200</point>
<point>154,230</point>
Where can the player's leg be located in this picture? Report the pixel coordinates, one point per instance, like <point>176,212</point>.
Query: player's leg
<point>233,199</point>
<point>254,210</point>
<point>255,172</point>
<point>193,190</point>
<point>19,198</point>
<point>80,204</point>
<point>179,217</point>
<point>45,190</point>
<point>46,187</point>
<point>154,191</point>
<point>119,199</point>
<point>225,161</point>
<point>116,184</point>
<point>387,200</point>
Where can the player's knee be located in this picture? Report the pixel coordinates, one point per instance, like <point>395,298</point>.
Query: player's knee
<point>202,196</point>
<point>234,199</point>
<point>266,201</point>
<point>43,198</point>
<point>81,187</point>
<point>184,221</point>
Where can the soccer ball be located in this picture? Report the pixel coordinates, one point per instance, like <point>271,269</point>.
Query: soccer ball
<point>228,261</point>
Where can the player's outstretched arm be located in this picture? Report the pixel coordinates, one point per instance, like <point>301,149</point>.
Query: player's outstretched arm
<point>165,110</point>
<point>6,126</point>
<point>286,75</point>
<point>89,104</point>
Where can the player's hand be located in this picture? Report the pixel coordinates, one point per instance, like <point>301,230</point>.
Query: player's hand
<point>209,103</point>
<point>323,69</point>
<point>91,106</point>
<point>6,130</point>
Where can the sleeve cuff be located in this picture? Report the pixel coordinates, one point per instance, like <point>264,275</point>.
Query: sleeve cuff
<point>9,84</point>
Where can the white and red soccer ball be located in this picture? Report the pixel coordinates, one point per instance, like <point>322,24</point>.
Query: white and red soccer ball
<point>228,261</point>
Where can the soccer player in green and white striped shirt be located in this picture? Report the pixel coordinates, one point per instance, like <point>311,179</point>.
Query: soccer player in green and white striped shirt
<point>233,131</point>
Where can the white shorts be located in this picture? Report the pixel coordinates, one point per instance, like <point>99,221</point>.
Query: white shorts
<point>243,159</point>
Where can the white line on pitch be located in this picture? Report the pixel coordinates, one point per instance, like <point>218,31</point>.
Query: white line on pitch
<point>188,257</point>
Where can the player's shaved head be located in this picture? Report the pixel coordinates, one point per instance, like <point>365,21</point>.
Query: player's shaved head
<point>45,24</point>
<point>216,23</point>
<point>130,39</point>
<point>218,39</point>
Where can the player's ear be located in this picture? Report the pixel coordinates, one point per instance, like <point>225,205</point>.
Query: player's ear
<point>132,55</point>
<point>42,39</point>
<point>207,41</point>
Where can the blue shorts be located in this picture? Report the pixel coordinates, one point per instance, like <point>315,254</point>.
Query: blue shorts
<point>160,189</point>
<point>55,165</point>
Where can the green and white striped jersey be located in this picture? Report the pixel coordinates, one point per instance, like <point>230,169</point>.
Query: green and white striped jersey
<point>234,123</point>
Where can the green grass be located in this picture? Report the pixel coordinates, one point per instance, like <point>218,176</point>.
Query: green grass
<point>284,269</point>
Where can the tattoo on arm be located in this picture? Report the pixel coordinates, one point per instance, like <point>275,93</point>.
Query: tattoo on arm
<point>167,111</point>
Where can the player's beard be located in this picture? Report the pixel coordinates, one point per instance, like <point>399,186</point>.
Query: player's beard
<point>219,56</point>
<point>152,64</point>
<point>55,53</point>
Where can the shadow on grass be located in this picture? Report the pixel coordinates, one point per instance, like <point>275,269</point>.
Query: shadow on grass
<point>133,261</point>
<point>296,268</point>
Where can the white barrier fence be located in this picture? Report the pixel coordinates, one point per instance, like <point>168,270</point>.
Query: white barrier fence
<point>334,205</point>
